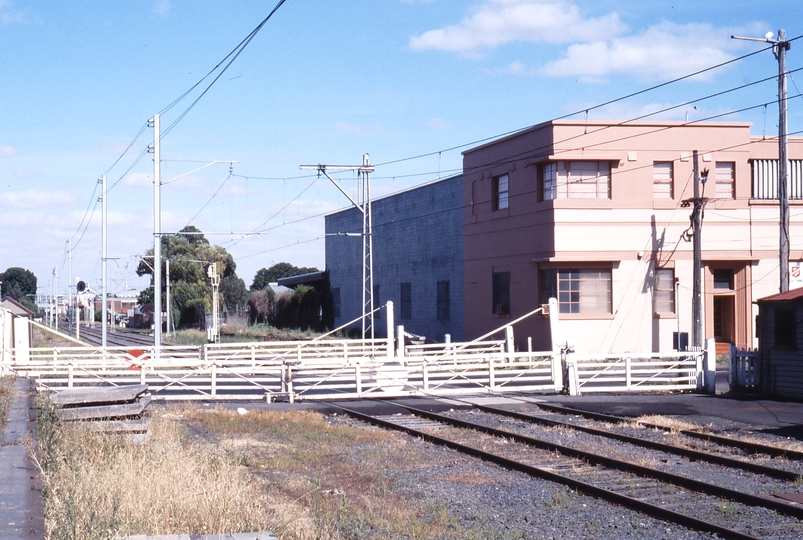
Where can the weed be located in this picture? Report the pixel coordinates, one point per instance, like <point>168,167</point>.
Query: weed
<point>728,508</point>
<point>560,500</point>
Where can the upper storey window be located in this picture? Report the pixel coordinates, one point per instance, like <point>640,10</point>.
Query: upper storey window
<point>725,179</point>
<point>500,192</point>
<point>577,180</point>
<point>662,179</point>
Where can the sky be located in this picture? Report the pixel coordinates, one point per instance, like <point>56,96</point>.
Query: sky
<point>413,83</point>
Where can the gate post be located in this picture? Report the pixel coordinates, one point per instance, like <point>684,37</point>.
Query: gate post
<point>400,344</point>
<point>358,378</point>
<point>390,326</point>
<point>557,359</point>
<point>509,342</point>
<point>710,366</point>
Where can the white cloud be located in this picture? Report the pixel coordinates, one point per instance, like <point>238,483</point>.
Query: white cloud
<point>32,198</point>
<point>497,22</point>
<point>438,123</point>
<point>162,8</point>
<point>664,51</point>
<point>9,15</point>
<point>7,151</point>
<point>138,180</point>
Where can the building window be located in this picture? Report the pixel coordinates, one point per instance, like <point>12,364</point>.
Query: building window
<point>501,293</point>
<point>664,291</point>
<point>336,301</point>
<point>662,179</point>
<point>723,279</point>
<point>785,327</point>
<point>584,291</point>
<point>443,300</point>
<point>725,179</point>
<point>577,180</point>
<point>765,178</point>
<point>500,192</point>
<point>406,301</point>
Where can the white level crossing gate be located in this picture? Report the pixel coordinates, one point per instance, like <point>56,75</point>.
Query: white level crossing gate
<point>325,369</point>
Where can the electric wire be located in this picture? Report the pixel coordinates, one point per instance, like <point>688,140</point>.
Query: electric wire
<point>594,107</point>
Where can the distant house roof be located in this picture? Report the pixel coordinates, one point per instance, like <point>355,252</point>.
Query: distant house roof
<point>16,307</point>
<point>795,295</point>
<point>303,279</point>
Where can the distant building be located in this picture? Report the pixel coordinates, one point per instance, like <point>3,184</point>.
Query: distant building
<point>417,260</point>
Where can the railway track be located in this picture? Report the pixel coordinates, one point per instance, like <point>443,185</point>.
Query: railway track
<point>704,490</point>
<point>116,337</point>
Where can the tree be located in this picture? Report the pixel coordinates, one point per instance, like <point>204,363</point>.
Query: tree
<point>265,276</point>
<point>190,255</point>
<point>18,283</point>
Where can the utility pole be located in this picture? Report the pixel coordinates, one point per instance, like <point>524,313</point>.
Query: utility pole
<point>779,48</point>
<point>157,237</point>
<point>215,278</point>
<point>105,294</point>
<point>167,296</point>
<point>70,309</point>
<point>698,203</point>
<point>364,206</point>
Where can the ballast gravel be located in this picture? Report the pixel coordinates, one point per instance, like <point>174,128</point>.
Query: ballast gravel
<point>510,505</point>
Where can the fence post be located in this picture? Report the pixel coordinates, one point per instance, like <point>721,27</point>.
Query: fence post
<point>710,366</point>
<point>390,326</point>
<point>213,381</point>
<point>69,376</point>
<point>628,373</point>
<point>358,378</point>
<point>734,375</point>
<point>491,380</point>
<point>290,393</point>
<point>425,374</point>
<point>509,342</point>
<point>400,344</point>
<point>557,356</point>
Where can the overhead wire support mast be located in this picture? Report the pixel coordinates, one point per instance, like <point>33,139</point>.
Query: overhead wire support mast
<point>779,47</point>
<point>364,206</point>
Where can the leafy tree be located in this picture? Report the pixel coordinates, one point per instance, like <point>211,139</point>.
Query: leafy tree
<point>18,283</point>
<point>273,274</point>
<point>190,256</point>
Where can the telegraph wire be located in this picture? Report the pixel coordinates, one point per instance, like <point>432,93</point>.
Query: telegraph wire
<point>594,107</point>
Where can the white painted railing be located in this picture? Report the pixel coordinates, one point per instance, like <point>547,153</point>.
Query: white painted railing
<point>345,369</point>
<point>743,368</point>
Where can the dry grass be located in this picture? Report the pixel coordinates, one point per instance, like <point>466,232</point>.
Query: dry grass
<point>348,478</point>
<point>234,333</point>
<point>6,392</point>
<point>99,487</point>
<point>213,471</point>
<point>670,423</point>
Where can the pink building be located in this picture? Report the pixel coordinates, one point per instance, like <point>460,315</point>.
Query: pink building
<point>592,213</point>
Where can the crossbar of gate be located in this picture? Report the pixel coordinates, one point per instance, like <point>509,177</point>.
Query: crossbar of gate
<point>344,369</point>
<point>656,371</point>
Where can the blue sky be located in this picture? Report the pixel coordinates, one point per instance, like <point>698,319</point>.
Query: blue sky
<point>323,82</point>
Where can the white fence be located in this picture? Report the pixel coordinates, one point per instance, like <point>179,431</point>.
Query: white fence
<point>743,371</point>
<point>345,369</point>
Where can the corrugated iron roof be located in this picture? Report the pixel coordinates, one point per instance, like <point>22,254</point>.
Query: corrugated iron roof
<point>787,296</point>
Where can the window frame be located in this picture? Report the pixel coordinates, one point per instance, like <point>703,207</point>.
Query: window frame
<point>500,197</point>
<point>500,293</point>
<point>785,327</point>
<point>720,180</point>
<point>405,301</point>
<point>443,301</point>
<point>565,283</point>
<point>559,182</point>
<point>660,290</point>
<point>660,178</point>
